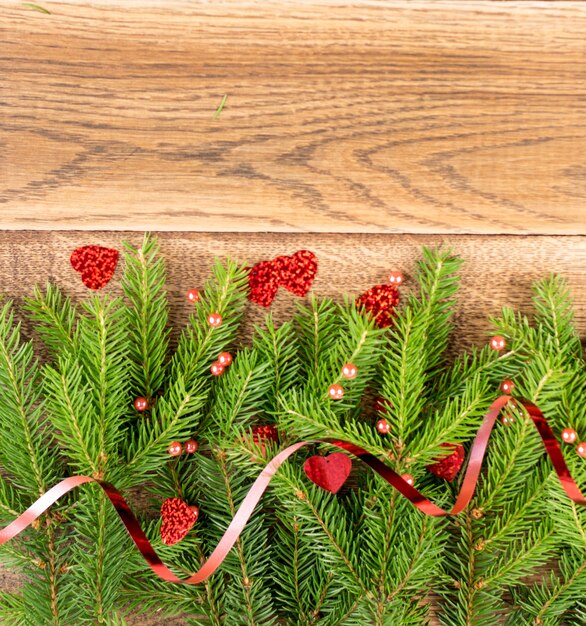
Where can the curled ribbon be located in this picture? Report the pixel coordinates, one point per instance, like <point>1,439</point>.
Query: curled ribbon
<point>259,486</point>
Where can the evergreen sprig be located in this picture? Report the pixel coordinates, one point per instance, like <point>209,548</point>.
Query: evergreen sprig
<point>307,557</point>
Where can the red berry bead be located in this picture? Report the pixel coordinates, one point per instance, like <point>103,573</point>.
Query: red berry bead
<point>581,449</point>
<point>225,359</point>
<point>507,420</point>
<point>175,449</point>
<point>336,392</point>
<point>408,478</point>
<point>349,370</point>
<point>507,386</point>
<point>141,404</point>
<point>383,427</point>
<point>395,278</point>
<point>217,369</point>
<point>569,435</point>
<point>497,342</point>
<point>193,295</point>
<point>191,446</point>
<point>194,510</point>
<point>214,319</point>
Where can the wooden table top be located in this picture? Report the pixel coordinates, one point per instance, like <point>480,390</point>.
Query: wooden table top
<point>373,116</point>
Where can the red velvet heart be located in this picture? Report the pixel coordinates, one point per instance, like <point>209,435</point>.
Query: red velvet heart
<point>447,467</point>
<point>328,472</point>
<point>298,271</point>
<point>380,302</point>
<point>95,264</point>
<point>178,519</point>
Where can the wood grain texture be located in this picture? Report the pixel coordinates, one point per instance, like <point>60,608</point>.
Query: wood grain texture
<point>498,271</point>
<point>381,116</point>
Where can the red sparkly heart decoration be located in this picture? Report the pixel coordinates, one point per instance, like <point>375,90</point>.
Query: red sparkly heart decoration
<point>178,519</point>
<point>263,434</point>
<point>380,301</point>
<point>295,273</point>
<point>263,282</point>
<point>95,264</point>
<point>447,467</point>
<point>328,472</point>
<point>298,271</point>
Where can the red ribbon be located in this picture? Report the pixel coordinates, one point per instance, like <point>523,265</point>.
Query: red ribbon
<point>259,486</point>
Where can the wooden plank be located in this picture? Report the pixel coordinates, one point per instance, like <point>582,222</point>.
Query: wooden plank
<point>498,270</point>
<point>381,116</point>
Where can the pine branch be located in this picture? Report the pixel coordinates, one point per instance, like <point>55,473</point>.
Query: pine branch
<point>200,344</point>
<point>12,609</point>
<point>21,413</point>
<point>143,283</point>
<point>55,318</point>
<point>417,342</point>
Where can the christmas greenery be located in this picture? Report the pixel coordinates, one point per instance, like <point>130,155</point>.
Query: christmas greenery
<point>365,555</point>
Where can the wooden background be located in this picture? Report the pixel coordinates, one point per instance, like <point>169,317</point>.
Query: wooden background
<point>369,116</point>
<point>359,130</point>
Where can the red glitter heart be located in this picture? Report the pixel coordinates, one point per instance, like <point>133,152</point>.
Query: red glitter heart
<point>447,467</point>
<point>95,264</point>
<point>328,472</point>
<point>380,301</point>
<point>262,434</point>
<point>296,273</point>
<point>178,520</point>
<point>263,282</point>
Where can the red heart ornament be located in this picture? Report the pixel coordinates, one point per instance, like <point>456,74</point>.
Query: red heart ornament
<point>380,302</point>
<point>263,434</point>
<point>263,282</point>
<point>298,271</point>
<point>328,472</point>
<point>178,519</point>
<point>447,467</point>
<point>95,264</point>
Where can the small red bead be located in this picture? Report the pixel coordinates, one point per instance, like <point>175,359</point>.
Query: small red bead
<point>214,319</point>
<point>395,278</point>
<point>408,478</point>
<point>569,435</point>
<point>175,449</point>
<point>217,369</point>
<point>225,359</point>
<point>141,404</point>
<point>336,392</point>
<point>349,370</point>
<point>497,342</point>
<point>581,449</point>
<point>193,295</point>
<point>194,510</point>
<point>191,446</point>
<point>507,386</point>
<point>383,427</point>
<point>507,420</point>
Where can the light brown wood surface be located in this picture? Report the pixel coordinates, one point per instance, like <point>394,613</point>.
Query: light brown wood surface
<point>370,116</point>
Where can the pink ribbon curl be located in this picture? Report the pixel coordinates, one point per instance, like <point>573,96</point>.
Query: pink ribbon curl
<point>260,485</point>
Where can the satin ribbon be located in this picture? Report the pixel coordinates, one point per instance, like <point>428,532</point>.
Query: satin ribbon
<point>259,486</point>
